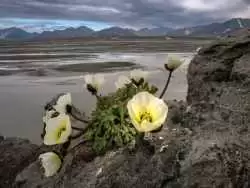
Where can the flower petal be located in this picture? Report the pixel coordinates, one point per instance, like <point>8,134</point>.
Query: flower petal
<point>88,79</point>
<point>62,102</point>
<point>57,130</point>
<point>122,81</point>
<point>48,115</point>
<point>148,127</point>
<point>95,80</point>
<point>173,62</point>
<point>99,80</point>
<point>143,99</point>
<point>158,108</point>
<point>137,74</point>
<point>50,162</point>
<point>134,113</point>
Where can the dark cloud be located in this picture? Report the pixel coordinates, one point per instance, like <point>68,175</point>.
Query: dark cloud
<point>136,13</point>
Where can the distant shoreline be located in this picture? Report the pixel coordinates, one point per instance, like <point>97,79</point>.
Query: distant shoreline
<point>83,68</point>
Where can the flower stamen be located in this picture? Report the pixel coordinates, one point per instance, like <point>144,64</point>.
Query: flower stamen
<point>60,132</point>
<point>146,116</point>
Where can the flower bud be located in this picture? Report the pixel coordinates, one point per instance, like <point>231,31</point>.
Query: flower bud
<point>51,163</point>
<point>91,89</point>
<point>173,63</point>
<point>94,82</point>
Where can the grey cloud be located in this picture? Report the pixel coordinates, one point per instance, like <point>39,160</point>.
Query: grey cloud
<point>136,13</point>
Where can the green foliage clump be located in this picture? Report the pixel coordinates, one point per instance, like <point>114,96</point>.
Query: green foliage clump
<point>110,124</point>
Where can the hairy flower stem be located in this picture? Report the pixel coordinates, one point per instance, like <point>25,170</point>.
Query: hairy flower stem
<point>78,129</point>
<point>65,148</point>
<point>167,83</point>
<point>144,145</point>
<point>72,110</point>
<point>78,118</point>
<point>139,140</point>
<point>78,135</point>
<point>81,132</point>
<point>78,144</point>
<point>98,97</point>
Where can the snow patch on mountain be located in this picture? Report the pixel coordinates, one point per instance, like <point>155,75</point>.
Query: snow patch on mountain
<point>240,23</point>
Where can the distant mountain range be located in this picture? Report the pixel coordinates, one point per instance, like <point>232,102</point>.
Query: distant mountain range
<point>15,33</point>
<point>214,29</point>
<point>70,32</point>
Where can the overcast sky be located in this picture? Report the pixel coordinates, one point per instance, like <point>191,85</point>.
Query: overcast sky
<point>36,15</point>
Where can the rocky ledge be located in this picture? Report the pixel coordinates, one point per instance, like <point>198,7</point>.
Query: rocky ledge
<point>205,142</point>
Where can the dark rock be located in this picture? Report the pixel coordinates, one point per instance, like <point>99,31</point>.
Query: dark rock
<point>1,138</point>
<point>15,155</point>
<point>219,96</point>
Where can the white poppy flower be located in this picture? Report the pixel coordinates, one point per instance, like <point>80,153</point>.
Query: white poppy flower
<point>95,80</point>
<point>173,63</point>
<point>50,162</point>
<point>122,81</point>
<point>147,112</point>
<point>57,130</point>
<point>62,102</point>
<point>137,74</point>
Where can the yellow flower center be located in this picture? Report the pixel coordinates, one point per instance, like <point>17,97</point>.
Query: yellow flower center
<point>62,128</point>
<point>60,132</point>
<point>146,116</point>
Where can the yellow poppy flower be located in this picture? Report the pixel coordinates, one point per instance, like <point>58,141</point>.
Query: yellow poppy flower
<point>147,112</point>
<point>50,162</point>
<point>57,130</point>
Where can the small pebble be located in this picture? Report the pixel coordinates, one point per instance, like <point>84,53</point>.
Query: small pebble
<point>214,144</point>
<point>163,148</point>
<point>188,109</point>
<point>161,138</point>
<point>188,131</point>
<point>99,171</point>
